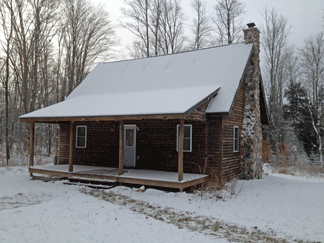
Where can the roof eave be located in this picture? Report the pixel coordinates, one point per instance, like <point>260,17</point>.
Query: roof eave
<point>241,81</point>
<point>102,118</point>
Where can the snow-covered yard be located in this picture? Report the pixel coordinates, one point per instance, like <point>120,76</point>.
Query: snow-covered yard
<point>277,206</point>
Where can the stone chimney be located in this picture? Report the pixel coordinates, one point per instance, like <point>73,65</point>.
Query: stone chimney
<point>252,35</point>
<point>251,133</point>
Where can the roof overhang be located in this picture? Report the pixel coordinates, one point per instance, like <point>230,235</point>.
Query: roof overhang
<point>162,116</point>
<point>101,118</point>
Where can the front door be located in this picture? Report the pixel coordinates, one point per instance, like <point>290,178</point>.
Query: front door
<point>129,145</point>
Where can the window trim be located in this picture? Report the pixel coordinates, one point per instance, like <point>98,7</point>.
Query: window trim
<point>76,137</point>
<point>236,139</point>
<point>185,125</point>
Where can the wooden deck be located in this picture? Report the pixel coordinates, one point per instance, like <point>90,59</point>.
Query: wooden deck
<point>130,176</point>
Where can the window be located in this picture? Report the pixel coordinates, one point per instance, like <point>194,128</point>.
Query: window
<point>129,138</point>
<point>236,139</point>
<point>81,136</point>
<point>187,138</point>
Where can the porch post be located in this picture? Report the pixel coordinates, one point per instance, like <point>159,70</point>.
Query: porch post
<point>121,148</point>
<point>180,151</point>
<point>71,148</point>
<point>31,145</point>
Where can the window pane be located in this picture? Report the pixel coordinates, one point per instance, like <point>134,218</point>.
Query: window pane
<point>178,127</point>
<point>187,131</point>
<point>81,131</point>
<point>236,132</point>
<point>81,142</point>
<point>236,139</point>
<point>129,137</point>
<point>186,144</point>
<point>186,137</point>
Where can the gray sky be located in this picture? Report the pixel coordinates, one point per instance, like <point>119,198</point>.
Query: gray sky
<point>304,16</point>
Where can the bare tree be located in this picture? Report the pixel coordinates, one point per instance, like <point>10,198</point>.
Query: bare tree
<point>172,27</point>
<point>22,51</point>
<point>227,18</point>
<point>88,35</point>
<point>154,24</point>
<point>274,42</point>
<point>34,70</point>
<point>292,65</point>
<point>313,64</point>
<point>44,14</point>
<point>200,25</point>
<point>158,26</point>
<point>137,49</point>
<point>138,12</point>
<point>312,55</point>
<point>7,14</point>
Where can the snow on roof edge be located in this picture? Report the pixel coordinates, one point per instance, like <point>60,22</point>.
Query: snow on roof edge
<point>99,116</point>
<point>238,87</point>
<point>241,81</point>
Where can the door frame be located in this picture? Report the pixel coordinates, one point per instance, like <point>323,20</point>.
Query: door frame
<point>130,126</point>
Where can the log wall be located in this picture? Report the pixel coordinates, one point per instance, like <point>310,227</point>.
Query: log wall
<point>64,140</point>
<point>231,166</point>
<point>214,145</point>
<point>155,145</point>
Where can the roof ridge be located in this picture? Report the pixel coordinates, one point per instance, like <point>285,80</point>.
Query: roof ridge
<point>182,52</point>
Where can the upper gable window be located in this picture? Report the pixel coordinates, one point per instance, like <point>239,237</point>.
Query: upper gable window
<point>187,138</point>
<point>236,139</point>
<point>81,136</point>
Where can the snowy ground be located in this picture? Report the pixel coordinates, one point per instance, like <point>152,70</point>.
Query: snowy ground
<point>277,206</point>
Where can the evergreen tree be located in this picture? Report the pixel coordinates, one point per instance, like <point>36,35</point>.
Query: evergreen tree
<point>298,116</point>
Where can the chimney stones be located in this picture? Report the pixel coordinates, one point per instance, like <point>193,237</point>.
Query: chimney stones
<point>251,134</point>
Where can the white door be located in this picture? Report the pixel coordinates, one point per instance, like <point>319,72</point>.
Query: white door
<point>129,145</point>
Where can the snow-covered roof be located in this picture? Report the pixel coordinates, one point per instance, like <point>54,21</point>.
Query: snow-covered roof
<point>170,84</point>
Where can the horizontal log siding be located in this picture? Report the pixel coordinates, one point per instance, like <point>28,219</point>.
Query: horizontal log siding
<point>231,165</point>
<point>64,143</point>
<point>214,145</point>
<point>102,144</point>
<point>198,114</point>
<point>155,145</point>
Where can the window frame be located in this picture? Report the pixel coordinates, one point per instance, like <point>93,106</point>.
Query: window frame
<point>236,139</point>
<point>178,127</point>
<point>77,135</point>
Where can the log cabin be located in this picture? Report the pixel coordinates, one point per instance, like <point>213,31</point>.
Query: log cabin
<point>184,116</point>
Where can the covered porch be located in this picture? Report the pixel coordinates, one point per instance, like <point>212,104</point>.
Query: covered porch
<point>81,162</point>
<point>130,176</point>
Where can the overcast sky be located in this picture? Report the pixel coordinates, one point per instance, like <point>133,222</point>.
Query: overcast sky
<point>304,16</point>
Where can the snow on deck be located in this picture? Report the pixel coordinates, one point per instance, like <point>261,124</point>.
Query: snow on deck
<point>128,173</point>
<point>170,84</point>
<point>161,175</point>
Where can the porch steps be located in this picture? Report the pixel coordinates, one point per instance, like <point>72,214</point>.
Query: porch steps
<point>47,178</point>
<point>92,183</point>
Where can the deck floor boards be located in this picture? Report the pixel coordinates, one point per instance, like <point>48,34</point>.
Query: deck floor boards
<point>130,176</point>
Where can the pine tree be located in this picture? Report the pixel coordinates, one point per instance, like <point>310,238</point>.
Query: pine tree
<point>297,115</point>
